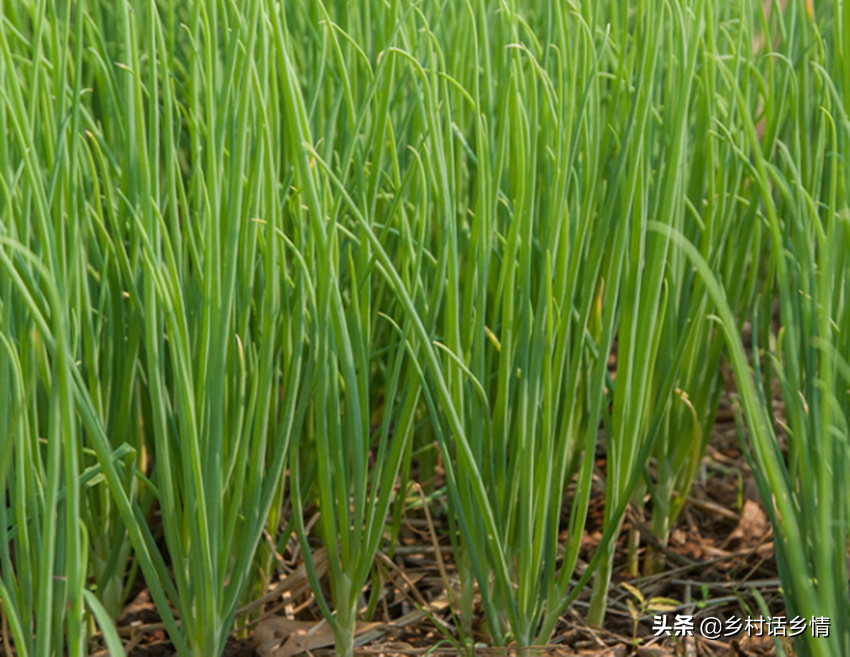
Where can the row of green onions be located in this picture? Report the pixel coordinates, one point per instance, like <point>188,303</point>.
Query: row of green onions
<point>262,259</point>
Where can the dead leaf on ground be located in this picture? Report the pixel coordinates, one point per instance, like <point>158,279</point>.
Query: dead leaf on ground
<point>616,651</point>
<point>752,527</point>
<point>282,637</point>
<point>653,652</point>
<point>141,609</point>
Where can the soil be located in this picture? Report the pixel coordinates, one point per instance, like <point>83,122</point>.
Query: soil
<point>720,551</point>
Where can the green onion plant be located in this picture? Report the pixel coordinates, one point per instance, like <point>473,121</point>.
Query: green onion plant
<point>264,260</point>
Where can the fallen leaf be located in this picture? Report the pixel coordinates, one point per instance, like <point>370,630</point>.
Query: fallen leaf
<point>653,652</point>
<point>296,583</point>
<point>616,651</point>
<point>141,609</point>
<point>282,637</point>
<point>752,527</point>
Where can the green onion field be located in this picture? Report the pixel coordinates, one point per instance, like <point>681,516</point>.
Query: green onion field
<point>322,313</point>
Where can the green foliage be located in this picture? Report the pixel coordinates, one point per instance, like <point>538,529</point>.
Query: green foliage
<point>264,256</point>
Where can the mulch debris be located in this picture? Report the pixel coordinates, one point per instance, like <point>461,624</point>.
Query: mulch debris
<point>719,552</point>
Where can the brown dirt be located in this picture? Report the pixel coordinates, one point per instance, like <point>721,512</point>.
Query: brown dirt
<point>719,551</point>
